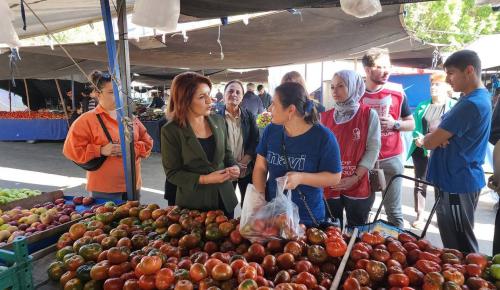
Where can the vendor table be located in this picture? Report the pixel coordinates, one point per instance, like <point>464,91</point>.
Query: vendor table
<point>154,128</point>
<point>33,129</point>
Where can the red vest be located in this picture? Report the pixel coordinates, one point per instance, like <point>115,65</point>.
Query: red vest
<point>351,137</point>
<point>387,101</point>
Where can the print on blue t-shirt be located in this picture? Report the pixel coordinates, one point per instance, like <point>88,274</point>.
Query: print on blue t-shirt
<point>458,167</point>
<point>315,151</point>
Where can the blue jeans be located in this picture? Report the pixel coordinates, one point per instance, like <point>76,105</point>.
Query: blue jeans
<point>392,202</point>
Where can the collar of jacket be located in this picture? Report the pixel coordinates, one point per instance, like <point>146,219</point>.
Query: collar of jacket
<point>192,140</point>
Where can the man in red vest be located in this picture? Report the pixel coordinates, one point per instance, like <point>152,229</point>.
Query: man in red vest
<point>389,101</point>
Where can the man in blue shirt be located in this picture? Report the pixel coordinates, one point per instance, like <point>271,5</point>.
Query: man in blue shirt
<point>459,147</point>
<point>251,101</point>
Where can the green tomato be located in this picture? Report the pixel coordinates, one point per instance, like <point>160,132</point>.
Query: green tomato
<point>495,271</point>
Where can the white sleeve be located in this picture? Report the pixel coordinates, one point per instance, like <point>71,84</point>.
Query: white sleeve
<point>373,142</point>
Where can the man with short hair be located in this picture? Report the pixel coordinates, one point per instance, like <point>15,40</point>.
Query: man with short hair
<point>88,101</point>
<point>264,97</point>
<point>389,101</point>
<point>459,146</point>
<point>251,101</point>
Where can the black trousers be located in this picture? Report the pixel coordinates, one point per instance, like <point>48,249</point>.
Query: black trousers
<point>420,162</point>
<point>496,237</point>
<point>170,191</point>
<point>357,210</point>
<point>242,184</point>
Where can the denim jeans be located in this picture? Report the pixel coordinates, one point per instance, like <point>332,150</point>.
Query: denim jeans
<point>392,202</point>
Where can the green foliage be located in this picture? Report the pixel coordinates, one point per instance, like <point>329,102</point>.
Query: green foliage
<point>452,22</point>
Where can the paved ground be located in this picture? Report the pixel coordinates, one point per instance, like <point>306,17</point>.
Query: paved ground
<point>42,166</point>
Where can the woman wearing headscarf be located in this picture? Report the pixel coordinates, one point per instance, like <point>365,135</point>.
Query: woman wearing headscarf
<point>357,129</point>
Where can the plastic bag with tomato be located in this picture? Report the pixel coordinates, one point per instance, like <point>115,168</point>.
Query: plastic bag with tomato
<point>278,219</point>
<point>252,203</point>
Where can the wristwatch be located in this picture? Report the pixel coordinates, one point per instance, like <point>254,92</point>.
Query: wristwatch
<point>396,126</point>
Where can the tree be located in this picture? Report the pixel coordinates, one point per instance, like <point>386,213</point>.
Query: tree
<point>452,22</point>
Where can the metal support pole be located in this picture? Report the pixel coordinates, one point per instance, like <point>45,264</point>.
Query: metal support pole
<point>73,97</point>
<point>120,109</point>
<point>321,86</point>
<point>27,95</point>
<point>124,65</point>
<point>10,99</point>
<point>62,100</point>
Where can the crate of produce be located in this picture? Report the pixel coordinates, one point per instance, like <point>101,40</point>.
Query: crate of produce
<point>15,273</point>
<point>44,222</point>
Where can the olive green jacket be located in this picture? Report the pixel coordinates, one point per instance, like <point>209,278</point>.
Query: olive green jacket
<point>184,161</point>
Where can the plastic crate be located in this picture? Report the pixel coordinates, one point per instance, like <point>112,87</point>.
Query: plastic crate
<point>18,275</point>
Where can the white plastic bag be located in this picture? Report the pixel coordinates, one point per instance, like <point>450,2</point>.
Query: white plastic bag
<point>361,8</point>
<point>159,14</point>
<point>252,203</point>
<point>278,219</point>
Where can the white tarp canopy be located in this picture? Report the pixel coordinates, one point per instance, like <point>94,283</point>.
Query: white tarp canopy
<point>62,14</point>
<point>488,49</point>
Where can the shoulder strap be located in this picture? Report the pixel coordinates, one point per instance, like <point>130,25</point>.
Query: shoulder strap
<point>104,128</point>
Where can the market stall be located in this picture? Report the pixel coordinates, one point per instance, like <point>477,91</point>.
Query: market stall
<point>22,126</point>
<point>135,246</point>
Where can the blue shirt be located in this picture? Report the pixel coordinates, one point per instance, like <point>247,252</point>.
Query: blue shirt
<point>315,151</point>
<point>252,103</point>
<point>458,167</point>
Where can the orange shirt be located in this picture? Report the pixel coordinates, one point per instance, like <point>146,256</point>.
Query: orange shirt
<point>84,141</point>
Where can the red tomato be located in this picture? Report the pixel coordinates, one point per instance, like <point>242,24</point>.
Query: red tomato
<point>131,284</point>
<point>427,266</point>
<point>184,285</point>
<point>113,284</point>
<point>222,272</point>
<point>164,279</point>
<point>147,282</point>
<point>478,259</point>
<point>307,279</point>
<point>335,246</point>
<point>351,284</point>
<point>398,280</point>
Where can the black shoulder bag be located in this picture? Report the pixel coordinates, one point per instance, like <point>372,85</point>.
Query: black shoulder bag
<point>96,163</point>
<point>327,222</point>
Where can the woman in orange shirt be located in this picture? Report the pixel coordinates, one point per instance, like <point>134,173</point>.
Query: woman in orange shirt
<point>87,140</point>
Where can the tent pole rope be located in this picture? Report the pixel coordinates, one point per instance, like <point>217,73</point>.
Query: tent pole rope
<point>27,96</point>
<point>58,43</point>
<point>62,101</point>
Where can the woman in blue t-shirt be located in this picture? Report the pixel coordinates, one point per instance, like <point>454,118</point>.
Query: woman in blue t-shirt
<point>312,151</point>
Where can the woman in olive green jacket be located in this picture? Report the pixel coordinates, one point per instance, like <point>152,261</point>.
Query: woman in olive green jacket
<point>195,153</point>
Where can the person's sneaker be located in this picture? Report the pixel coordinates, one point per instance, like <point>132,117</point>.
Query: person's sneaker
<point>418,224</point>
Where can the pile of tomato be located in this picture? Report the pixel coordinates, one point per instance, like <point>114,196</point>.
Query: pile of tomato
<point>135,246</point>
<point>30,115</point>
<point>407,263</point>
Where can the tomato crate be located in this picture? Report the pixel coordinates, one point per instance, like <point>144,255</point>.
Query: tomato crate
<point>387,229</point>
<point>18,274</point>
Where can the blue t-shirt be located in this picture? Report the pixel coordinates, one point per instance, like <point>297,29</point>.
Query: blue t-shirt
<point>315,151</point>
<point>458,167</point>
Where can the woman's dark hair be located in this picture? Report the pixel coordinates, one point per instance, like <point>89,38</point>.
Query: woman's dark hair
<point>237,82</point>
<point>182,91</point>
<point>100,79</point>
<point>294,94</point>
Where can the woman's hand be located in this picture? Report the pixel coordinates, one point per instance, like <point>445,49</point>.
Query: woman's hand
<point>215,177</point>
<point>234,171</point>
<point>111,149</point>
<point>294,179</point>
<point>346,183</point>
